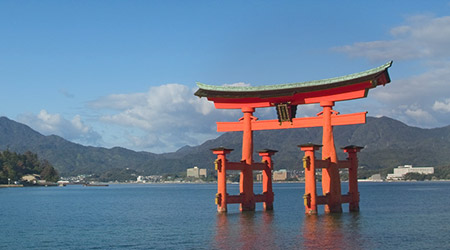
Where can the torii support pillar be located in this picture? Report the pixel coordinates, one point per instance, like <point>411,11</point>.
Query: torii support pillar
<point>266,155</point>
<point>246,179</point>
<point>331,183</point>
<point>220,164</point>
<point>310,164</point>
<point>353,176</point>
<point>223,165</point>
<point>310,197</point>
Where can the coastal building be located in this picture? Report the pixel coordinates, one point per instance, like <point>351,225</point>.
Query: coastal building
<point>400,171</point>
<point>373,178</point>
<point>196,172</point>
<point>259,176</point>
<point>280,175</point>
<point>376,177</point>
<point>31,178</point>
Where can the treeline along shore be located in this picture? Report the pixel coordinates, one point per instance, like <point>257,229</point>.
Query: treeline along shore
<point>15,168</point>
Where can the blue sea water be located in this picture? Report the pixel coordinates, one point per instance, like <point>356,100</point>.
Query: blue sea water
<point>402,215</point>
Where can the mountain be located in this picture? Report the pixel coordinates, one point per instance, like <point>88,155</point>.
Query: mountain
<point>387,143</point>
<point>67,157</point>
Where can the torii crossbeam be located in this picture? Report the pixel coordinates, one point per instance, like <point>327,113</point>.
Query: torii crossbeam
<point>286,97</point>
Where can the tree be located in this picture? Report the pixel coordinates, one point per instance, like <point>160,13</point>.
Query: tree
<point>48,172</point>
<point>13,166</point>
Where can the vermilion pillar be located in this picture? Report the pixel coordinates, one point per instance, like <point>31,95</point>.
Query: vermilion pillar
<point>353,176</point>
<point>310,196</point>
<point>246,178</point>
<point>266,155</point>
<point>331,183</point>
<point>221,196</point>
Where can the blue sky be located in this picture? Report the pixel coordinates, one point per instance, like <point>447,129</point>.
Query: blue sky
<point>123,73</point>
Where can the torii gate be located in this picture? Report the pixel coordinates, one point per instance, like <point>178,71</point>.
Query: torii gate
<point>286,97</point>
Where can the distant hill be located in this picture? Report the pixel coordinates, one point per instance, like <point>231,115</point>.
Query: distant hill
<point>387,143</point>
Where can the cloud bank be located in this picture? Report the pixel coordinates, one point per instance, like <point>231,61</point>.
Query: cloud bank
<point>422,97</point>
<point>422,37</point>
<point>54,124</point>
<point>166,117</point>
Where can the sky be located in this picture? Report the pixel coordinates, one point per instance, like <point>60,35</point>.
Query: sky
<point>123,73</point>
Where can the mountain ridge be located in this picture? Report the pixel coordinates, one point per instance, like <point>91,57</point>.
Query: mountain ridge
<point>387,143</point>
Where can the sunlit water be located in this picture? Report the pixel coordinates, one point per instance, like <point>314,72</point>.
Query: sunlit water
<point>413,215</point>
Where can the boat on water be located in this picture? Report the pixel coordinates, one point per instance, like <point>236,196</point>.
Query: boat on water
<point>95,185</point>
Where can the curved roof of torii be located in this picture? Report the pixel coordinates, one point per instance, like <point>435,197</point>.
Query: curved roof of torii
<point>365,80</point>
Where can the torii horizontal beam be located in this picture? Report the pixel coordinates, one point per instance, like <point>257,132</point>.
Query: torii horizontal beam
<point>305,122</point>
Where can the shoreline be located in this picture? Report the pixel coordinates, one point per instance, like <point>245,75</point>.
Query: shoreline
<point>10,185</point>
<point>215,182</point>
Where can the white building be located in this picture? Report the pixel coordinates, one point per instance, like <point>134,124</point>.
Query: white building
<point>280,175</point>
<point>400,171</point>
<point>196,172</point>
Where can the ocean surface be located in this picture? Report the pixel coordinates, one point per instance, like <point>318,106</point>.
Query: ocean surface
<point>401,215</point>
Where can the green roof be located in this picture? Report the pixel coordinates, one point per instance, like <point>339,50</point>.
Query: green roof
<point>231,91</point>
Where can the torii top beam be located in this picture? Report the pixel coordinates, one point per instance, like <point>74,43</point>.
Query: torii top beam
<point>342,88</point>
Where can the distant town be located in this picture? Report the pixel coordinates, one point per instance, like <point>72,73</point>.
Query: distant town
<point>27,170</point>
<point>202,175</point>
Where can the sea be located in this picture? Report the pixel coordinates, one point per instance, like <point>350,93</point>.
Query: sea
<point>394,215</point>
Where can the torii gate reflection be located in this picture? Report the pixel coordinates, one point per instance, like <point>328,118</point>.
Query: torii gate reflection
<point>286,98</point>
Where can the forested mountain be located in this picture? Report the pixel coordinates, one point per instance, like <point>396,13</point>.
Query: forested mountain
<point>13,166</point>
<point>387,143</point>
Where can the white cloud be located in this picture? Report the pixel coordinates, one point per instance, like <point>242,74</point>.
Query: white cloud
<point>422,37</point>
<point>420,115</point>
<point>417,98</point>
<point>144,141</point>
<point>383,50</point>
<point>442,106</point>
<point>237,84</point>
<point>422,92</point>
<point>422,88</point>
<point>166,117</point>
<point>166,106</point>
<point>169,116</point>
<point>55,124</point>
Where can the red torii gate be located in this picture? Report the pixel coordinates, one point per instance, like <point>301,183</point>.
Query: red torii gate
<point>286,97</point>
